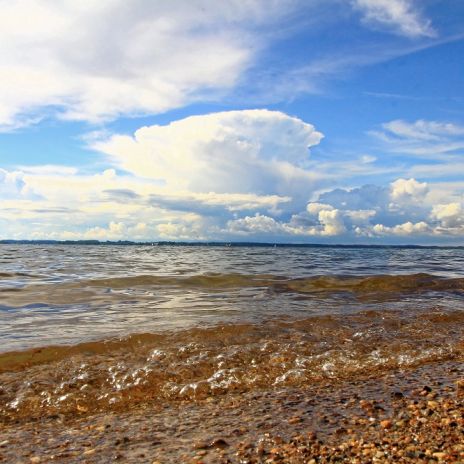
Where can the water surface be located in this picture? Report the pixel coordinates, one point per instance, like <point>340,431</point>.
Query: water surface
<point>55,295</point>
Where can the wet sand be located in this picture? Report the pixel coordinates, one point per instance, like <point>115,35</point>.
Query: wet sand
<point>413,415</point>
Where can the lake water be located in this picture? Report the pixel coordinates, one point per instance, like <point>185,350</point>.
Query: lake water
<point>96,328</point>
<point>68,294</point>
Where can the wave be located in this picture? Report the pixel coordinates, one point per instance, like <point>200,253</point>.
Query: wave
<point>326,284</point>
<point>202,362</point>
<point>357,284</point>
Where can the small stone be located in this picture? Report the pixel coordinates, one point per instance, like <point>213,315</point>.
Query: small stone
<point>200,445</point>
<point>439,455</point>
<point>365,404</point>
<point>294,420</point>
<point>219,443</point>
<point>425,391</point>
<point>311,435</point>
<point>460,387</point>
<point>35,459</point>
<point>386,424</point>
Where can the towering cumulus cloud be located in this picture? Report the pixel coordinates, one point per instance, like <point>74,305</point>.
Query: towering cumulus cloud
<point>251,151</point>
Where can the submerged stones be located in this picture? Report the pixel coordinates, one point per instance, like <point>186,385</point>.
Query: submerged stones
<point>203,363</point>
<point>357,420</point>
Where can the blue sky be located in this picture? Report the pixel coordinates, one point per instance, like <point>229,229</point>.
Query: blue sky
<point>335,121</point>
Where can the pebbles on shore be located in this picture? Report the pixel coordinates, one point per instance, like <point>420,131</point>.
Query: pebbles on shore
<point>413,416</point>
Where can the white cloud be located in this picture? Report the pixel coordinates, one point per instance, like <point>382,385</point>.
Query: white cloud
<point>332,222</point>
<point>13,185</point>
<point>97,60</point>
<point>422,129</point>
<point>258,224</point>
<point>400,16</point>
<point>316,208</point>
<point>108,206</point>
<point>450,217</point>
<point>407,228</point>
<point>221,176</point>
<point>432,139</point>
<point>405,208</point>
<point>408,190</point>
<point>371,211</point>
<point>248,152</point>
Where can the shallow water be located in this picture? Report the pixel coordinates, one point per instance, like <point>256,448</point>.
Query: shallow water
<point>69,294</point>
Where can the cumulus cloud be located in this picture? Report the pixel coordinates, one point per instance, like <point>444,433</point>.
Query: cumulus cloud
<point>407,228</point>
<point>371,211</point>
<point>258,224</point>
<point>242,152</point>
<point>186,179</point>
<point>450,218</point>
<point>406,191</point>
<point>399,16</point>
<point>111,206</point>
<point>95,61</point>
<point>332,222</point>
<point>221,176</point>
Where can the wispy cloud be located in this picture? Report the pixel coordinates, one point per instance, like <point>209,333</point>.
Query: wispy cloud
<point>421,138</point>
<point>399,16</point>
<point>423,130</point>
<point>96,61</point>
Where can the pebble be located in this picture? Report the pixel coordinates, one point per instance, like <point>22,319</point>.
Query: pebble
<point>350,428</point>
<point>295,420</point>
<point>386,424</point>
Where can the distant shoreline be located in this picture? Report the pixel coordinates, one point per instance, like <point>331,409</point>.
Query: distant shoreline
<point>220,244</point>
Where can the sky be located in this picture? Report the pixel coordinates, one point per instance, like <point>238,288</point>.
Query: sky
<point>298,121</point>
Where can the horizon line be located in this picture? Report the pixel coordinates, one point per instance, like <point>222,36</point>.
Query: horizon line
<point>214,243</point>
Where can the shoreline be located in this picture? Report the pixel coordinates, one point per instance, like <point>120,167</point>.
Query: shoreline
<point>371,386</point>
<point>412,415</point>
